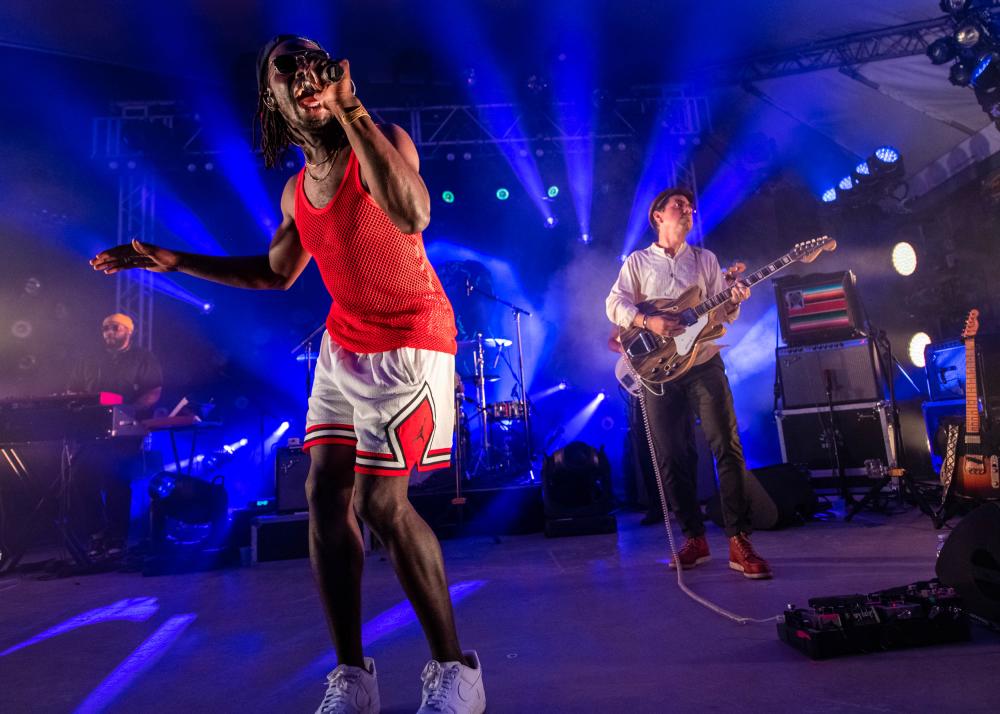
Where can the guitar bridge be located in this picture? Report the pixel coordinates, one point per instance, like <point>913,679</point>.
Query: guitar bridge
<point>642,345</point>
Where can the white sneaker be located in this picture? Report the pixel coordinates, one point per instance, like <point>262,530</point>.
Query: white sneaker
<point>351,690</point>
<point>452,687</point>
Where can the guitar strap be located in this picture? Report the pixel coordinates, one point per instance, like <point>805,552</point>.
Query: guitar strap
<point>948,465</point>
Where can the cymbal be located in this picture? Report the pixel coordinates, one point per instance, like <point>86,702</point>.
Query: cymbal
<point>487,342</point>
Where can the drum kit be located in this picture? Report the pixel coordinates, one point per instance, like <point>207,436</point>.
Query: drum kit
<point>503,447</point>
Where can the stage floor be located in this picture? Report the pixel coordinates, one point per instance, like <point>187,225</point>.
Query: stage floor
<point>581,624</point>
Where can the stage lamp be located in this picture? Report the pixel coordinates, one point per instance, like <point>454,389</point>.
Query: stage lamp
<point>968,35</point>
<point>916,348</point>
<point>576,481</point>
<point>862,169</point>
<point>904,258</point>
<point>887,154</point>
<point>551,222</point>
<point>503,194</point>
<point>207,307</point>
<point>188,499</point>
<point>981,74</point>
<point>959,75</point>
<point>846,183</point>
<point>552,192</point>
<point>941,50</point>
<point>585,238</point>
<point>954,7</point>
<point>830,195</point>
<point>448,197</point>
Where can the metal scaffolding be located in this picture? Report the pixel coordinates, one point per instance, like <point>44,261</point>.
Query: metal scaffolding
<point>136,216</point>
<point>846,51</point>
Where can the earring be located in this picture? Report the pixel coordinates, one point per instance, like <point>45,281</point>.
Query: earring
<point>269,100</point>
<point>354,88</point>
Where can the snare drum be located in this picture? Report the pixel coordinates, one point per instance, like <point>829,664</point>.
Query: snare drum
<point>505,410</point>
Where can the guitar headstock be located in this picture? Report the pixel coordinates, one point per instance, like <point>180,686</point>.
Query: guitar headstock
<point>971,324</point>
<point>808,250</point>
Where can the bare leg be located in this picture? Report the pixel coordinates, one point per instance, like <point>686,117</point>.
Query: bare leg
<point>416,557</point>
<point>336,548</point>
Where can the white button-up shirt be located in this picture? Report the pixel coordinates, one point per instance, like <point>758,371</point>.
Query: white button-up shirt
<point>653,273</point>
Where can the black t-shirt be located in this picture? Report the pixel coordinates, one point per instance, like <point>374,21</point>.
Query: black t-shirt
<point>130,373</point>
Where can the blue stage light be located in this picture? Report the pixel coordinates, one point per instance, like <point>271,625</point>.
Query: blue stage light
<point>887,154</point>
<point>830,195</point>
<point>207,307</point>
<point>846,183</point>
<point>862,169</point>
<point>448,197</point>
<point>162,485</point>
<point>503,194</point>
<point>553,191</point>
<point>551,222</point>
<point>585,237</point>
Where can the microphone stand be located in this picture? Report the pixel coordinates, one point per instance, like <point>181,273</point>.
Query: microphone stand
<point>834,439</point>
<point>887,361</point>
<point>523,400</point>
<point>308,356</point>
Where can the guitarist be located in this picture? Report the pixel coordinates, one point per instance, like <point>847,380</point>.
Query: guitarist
<point>664,270</point>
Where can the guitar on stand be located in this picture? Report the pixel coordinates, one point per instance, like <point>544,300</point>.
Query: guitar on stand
<point>658,359</point>
<point>975,456</point>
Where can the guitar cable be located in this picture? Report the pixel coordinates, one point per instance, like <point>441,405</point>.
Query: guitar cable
<point>718,609</point>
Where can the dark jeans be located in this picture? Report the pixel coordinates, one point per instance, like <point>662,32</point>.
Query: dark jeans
<point>703,391</point>
<point>103,473</point>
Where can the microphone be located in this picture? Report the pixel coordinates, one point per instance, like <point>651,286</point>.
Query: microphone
<point>331,72</point>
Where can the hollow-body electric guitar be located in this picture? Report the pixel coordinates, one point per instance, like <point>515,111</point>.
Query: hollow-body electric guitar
<point>658,359</point>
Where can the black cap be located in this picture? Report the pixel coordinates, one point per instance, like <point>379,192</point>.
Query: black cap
<point>663,196</point>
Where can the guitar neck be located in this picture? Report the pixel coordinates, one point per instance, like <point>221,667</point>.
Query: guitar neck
<point>749,280</point>
<point>971,390</point>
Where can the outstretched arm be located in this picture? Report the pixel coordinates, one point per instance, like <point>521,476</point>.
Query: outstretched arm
<point>278,269</point>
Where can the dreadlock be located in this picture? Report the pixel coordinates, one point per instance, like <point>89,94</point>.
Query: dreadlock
<point>275,137</point>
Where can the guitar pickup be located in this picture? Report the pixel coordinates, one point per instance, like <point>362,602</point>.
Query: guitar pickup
<point>642,345</point>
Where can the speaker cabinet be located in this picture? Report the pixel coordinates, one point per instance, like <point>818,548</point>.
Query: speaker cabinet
<point>780,495</point>
<point>291,467</point>
<point>861,432</point>
<point>970,561</point>
<point>848,369</point>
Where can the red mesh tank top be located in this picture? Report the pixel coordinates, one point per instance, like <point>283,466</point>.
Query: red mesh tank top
<point>385,293</point>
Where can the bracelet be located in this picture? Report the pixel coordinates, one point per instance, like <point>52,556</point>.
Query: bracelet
<point>353,115</point>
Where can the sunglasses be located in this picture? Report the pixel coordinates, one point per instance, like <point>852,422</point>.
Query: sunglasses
<point>289,63</point>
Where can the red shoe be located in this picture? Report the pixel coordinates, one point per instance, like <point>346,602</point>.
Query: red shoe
<point>744,558</point>
<point>694,552</point>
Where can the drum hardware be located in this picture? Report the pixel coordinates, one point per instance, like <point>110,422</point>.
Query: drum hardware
<point>304,352</point>
<point>521,392</point>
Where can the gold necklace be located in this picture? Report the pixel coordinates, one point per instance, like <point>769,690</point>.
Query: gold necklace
<point>332,159</point>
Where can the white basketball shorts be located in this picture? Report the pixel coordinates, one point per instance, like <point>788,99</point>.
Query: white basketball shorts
<point>397,408</point>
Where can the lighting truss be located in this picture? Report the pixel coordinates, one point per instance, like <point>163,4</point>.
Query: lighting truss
<point>846,51</point>
<point>477,129</point>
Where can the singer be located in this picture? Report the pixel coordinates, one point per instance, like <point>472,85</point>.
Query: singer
<point>382,402</point>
